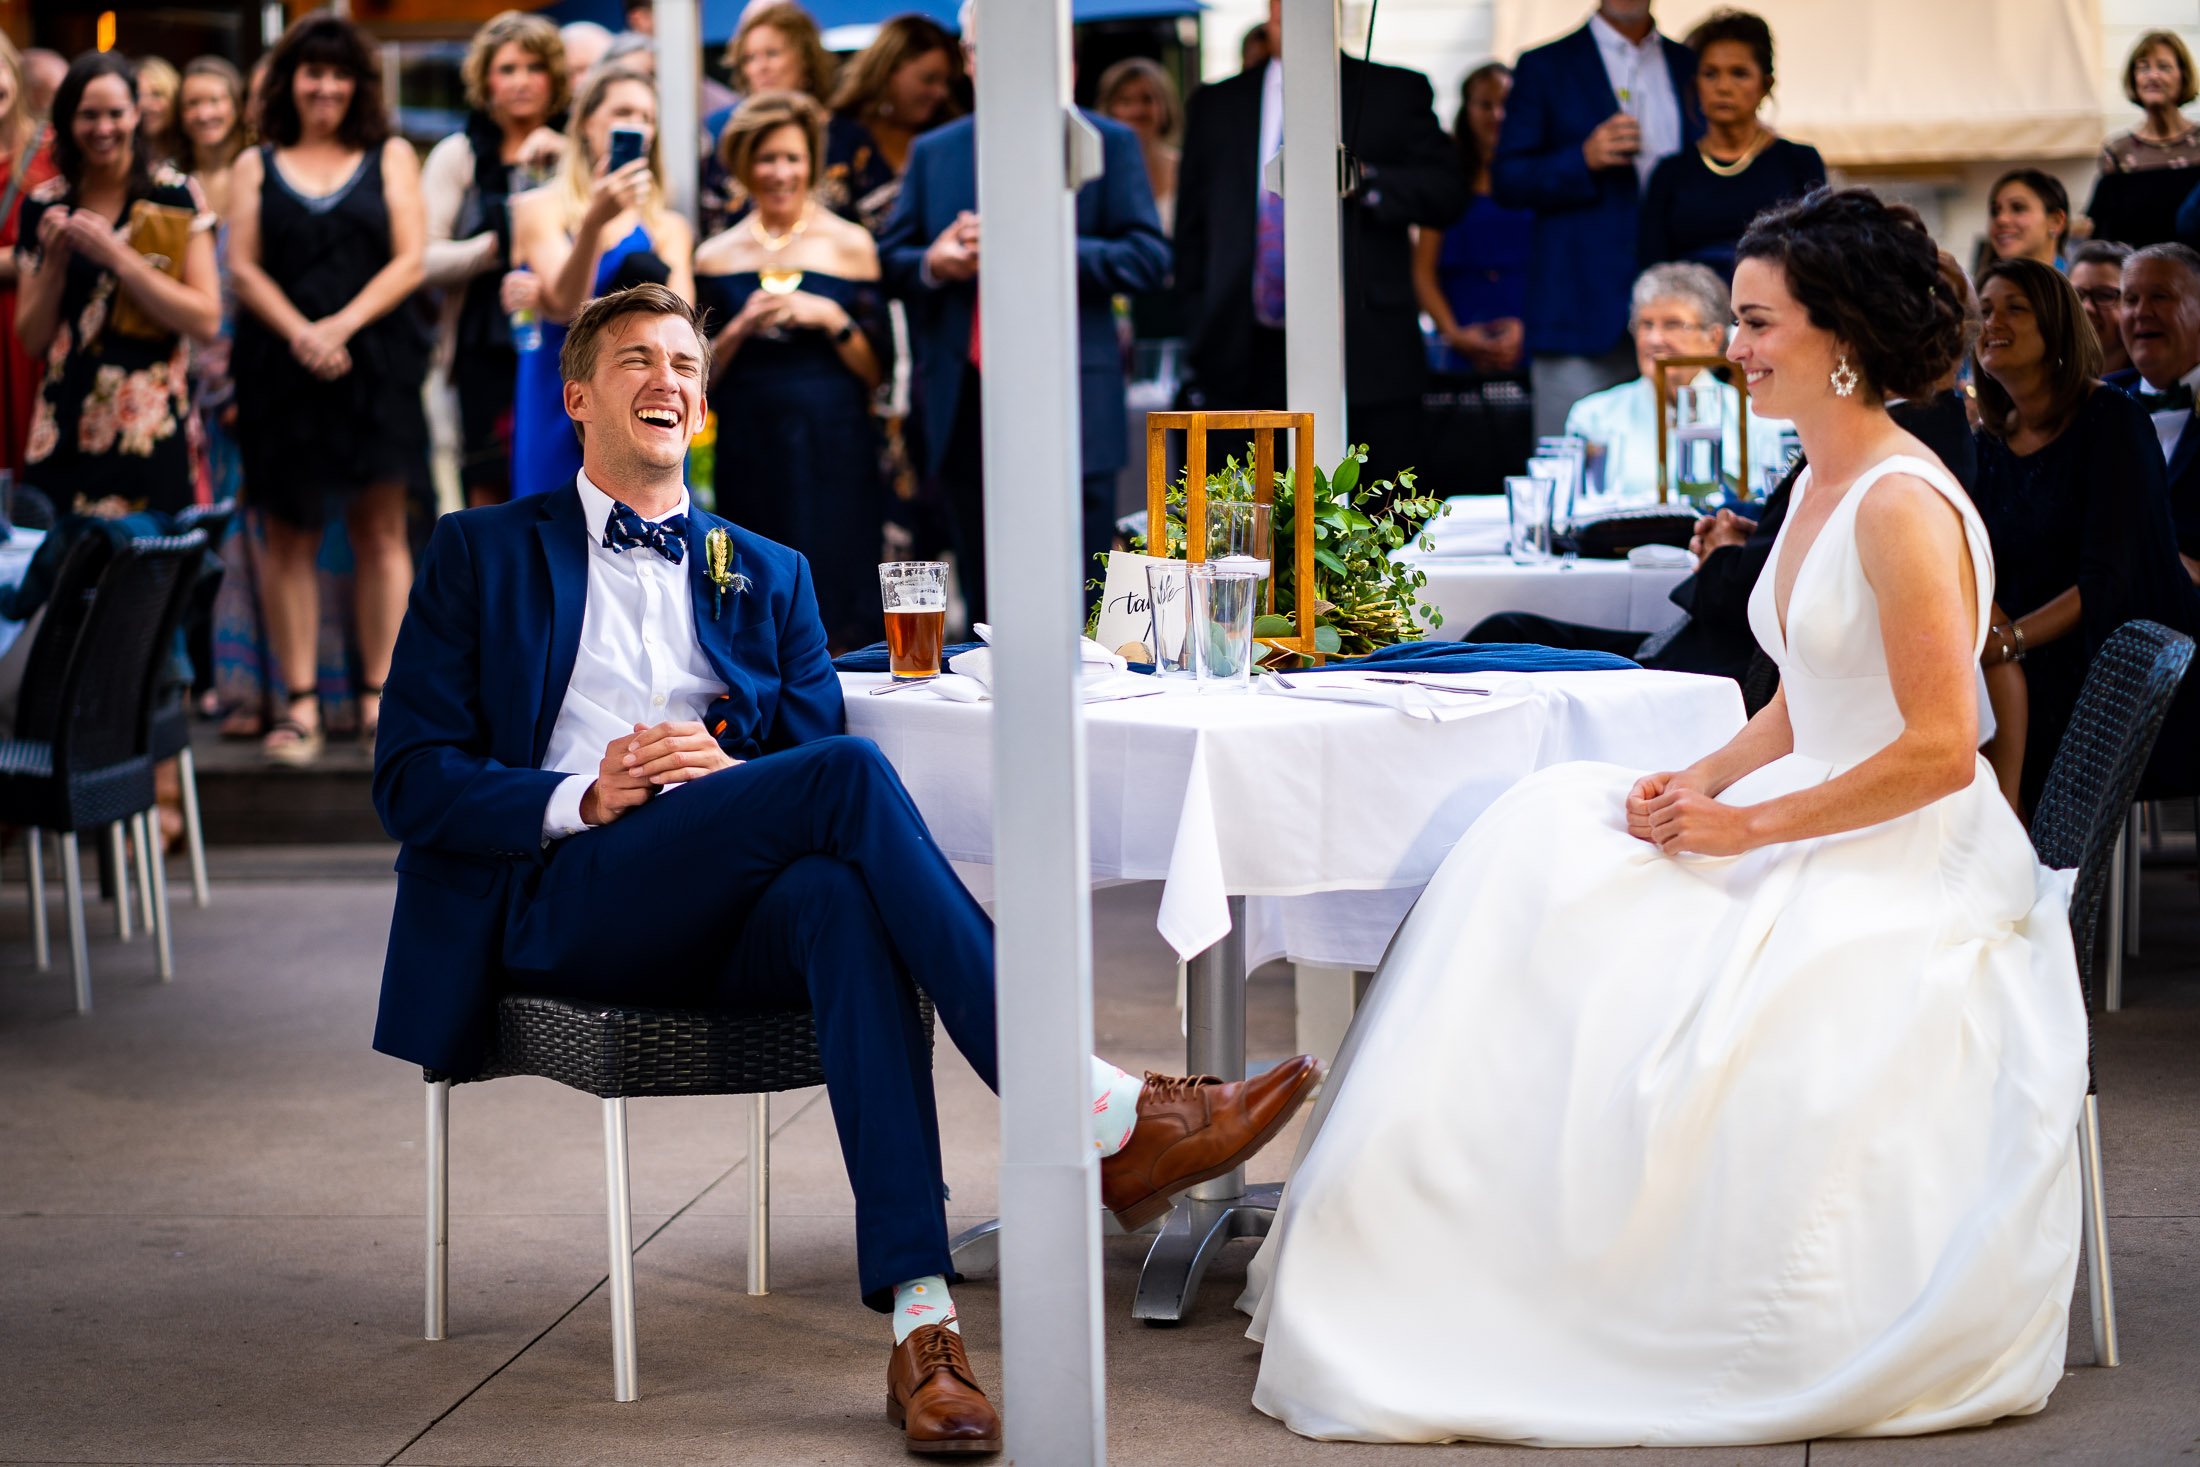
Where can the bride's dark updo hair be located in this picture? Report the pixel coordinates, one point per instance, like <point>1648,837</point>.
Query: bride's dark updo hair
<point>1867,271</point>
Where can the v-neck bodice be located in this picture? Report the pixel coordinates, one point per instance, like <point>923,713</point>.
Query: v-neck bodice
<point>1831,652</point>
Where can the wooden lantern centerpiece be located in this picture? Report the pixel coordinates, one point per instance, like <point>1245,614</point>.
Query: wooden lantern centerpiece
<point>1263,426</point>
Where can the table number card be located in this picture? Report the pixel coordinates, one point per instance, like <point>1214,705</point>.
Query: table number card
<point>1125,615</point>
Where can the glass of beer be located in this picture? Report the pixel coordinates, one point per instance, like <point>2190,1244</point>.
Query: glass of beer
<point>915,596</point>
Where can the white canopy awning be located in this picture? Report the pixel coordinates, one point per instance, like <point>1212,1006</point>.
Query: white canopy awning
<point>1885,82</point>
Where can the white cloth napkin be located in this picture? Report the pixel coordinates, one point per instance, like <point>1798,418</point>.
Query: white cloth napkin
<point>969,676</point>
<point>1471,524</point>
<point>1660,557</point>
<point>1432,697</point>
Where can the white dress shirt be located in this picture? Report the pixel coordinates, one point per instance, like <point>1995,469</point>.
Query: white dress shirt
<point>1643,83</point>
<point>1624,421</point>
<point>640,661</point>
<point>1271,121</point>
<point>2169,427</point>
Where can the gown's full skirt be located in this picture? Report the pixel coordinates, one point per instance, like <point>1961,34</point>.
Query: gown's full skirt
<point>1628,1148</point>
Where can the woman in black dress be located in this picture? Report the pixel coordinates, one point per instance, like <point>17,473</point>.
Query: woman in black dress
<point>326,241</point>
<point>1702,198</point>
<point>2072,489</point>
<point>900,86</point>
<point>794,365</point>
<point>117,269</point>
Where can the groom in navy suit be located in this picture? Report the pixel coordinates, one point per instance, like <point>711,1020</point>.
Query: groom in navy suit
<point>611,746</point>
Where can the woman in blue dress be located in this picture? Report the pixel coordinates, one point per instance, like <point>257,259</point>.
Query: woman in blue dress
<point>796,361</point>
<point>591,230</point>
<point>1472,279</point>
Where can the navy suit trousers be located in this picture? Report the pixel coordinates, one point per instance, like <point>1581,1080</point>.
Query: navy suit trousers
<point>803,879</point>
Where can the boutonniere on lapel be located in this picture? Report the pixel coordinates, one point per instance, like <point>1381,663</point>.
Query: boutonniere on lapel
<point>718,565</point>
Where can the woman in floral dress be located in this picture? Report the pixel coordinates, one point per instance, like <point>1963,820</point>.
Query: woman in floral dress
<point>110,316</point>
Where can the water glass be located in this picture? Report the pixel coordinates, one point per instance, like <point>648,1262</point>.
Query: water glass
<point>1528,510</point>
<point>1573,489</point>
<point>1239,538</point>
<point>1169,607</point>
<point>1222,627</point>
<point>913,594</point>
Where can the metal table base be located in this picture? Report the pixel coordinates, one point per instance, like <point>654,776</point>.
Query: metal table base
<point>1212,1213</point>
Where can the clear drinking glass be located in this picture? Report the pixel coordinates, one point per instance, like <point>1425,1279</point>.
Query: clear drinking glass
<point>1222,626</point>
<point>1169,603</point>
<point>1528,509</point>
<point>914,594</point>
<point>1573,489</point>
<point>1239,538</point>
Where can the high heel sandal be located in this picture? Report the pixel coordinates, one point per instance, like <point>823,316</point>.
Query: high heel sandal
<point>300,745</point>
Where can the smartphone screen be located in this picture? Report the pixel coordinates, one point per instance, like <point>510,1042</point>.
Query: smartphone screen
<point>626,146</point>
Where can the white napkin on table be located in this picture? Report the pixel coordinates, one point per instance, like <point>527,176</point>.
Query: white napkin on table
<point>1429,696</point>
<point>969,676</point>
<point>1470,524</point>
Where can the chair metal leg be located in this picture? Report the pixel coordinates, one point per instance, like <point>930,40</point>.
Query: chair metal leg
<point>619,1209</point>
<point>760,1193</point>
<point>194,834</point>
<point>2112,969</point>
<point>72,887</point>
<point>118,861</point>
<point>141,830</point>
<point>34,852</point>
<point>2137,845</point>
<point>153,877</point>
<point>2095,1226</point>
<point>439,1207</point>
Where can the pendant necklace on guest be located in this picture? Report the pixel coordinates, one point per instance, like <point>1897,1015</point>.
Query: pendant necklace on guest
<point>777,242</point>
<point>1757,145</point>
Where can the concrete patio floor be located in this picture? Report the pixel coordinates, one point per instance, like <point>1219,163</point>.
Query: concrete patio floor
<point>210,1229</point>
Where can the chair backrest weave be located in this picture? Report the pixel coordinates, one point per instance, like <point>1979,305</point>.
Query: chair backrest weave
<point>107,693</point>
<point>38,708</point>
<point>2090,787</point>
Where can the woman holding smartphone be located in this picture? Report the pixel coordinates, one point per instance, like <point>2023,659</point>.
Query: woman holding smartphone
<point>600,226</point>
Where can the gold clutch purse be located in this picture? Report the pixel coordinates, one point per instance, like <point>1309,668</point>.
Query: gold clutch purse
<point>161,233</point>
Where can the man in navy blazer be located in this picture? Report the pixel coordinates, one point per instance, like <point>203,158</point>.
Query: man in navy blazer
<point>2160,317</point>
<point>1579,153</point>
<point>611,745</point>
<point>930,250</point>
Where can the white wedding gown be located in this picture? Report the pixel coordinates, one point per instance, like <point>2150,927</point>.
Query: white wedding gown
<point>1634,1149</point>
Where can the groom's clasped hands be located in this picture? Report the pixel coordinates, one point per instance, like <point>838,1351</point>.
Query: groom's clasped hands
<point>1675,811</point>
<point>651,758</point>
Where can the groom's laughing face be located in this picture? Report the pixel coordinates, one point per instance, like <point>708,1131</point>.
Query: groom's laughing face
<point>643,404</point>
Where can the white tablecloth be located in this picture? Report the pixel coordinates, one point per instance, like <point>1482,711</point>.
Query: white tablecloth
<point>1335,814</point>
<point>1597,593</point>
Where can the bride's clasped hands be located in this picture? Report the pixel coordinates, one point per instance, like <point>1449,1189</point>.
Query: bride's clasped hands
<point>1680,814</point>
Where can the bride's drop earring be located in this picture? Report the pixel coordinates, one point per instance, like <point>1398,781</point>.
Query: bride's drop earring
<point>1844,377</point>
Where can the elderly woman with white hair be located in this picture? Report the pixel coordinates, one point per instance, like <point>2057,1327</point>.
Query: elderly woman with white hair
<point>1679,310</point>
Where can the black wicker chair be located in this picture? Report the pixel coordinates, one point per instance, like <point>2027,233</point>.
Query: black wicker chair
<point>2081,818</point>
<point>81,756</point>
<point>618,1054</point>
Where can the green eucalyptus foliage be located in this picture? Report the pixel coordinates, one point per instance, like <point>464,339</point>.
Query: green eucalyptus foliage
<point>1362,599</point>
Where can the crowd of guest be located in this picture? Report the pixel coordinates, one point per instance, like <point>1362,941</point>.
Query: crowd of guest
<point>230,290</point>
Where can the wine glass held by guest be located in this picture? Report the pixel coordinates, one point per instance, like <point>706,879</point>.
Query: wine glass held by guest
<point>1701,200</point>
<point>1680,310</point>
<point>592,229</point>
<point>2072,490</point>
<point>2028,217</point>
<point>515,76</point>
<point>326,244</point>
<point>26,161</point>
<point>900,86</point>
<point>1139,94</point>
<point>1749,966</point>
<point>113,326</point>
<point>2097,274</point>
<point>1472,278</point>
<point>794,366</point>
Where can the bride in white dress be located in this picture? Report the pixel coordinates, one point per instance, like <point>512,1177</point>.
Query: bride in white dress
<point>1736,1104</point>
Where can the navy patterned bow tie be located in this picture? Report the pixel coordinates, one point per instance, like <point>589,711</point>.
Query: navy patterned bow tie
<point>2177,400</point>
<point>625,529</point>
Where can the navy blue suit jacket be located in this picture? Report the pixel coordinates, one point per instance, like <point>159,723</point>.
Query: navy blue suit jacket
<point>482,665</point>
<point>1583,269</point>
<point>2184,468</point>
<point>1120,250</point>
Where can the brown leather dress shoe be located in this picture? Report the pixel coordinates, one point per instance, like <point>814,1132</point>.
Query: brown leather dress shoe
<point>1193,1128</point>
<point>933,1396</point>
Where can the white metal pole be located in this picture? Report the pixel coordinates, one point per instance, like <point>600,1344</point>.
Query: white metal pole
<point>1053,1366</point>
<point>1313,247</point>
<point>679,99</point>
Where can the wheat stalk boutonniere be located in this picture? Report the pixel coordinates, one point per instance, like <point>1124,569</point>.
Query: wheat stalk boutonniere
<point>718,566</point>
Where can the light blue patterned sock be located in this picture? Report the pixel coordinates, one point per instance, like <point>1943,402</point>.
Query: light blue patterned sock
<point>1114,1107</point>
<point>921,1302</point>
